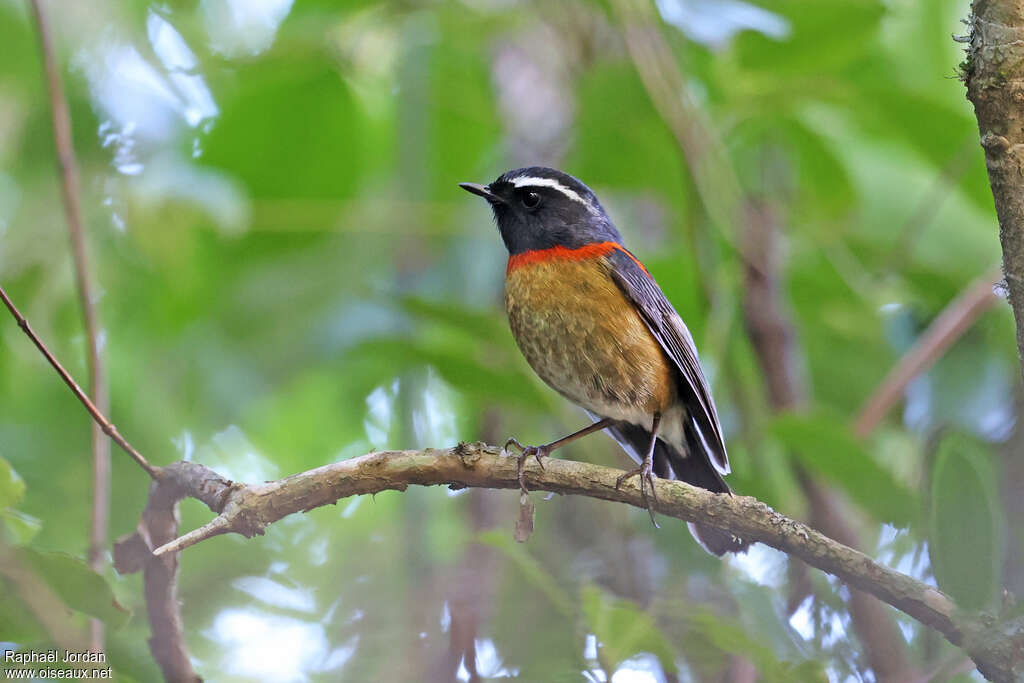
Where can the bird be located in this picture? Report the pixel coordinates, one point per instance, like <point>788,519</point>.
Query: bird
<point>595,326</point>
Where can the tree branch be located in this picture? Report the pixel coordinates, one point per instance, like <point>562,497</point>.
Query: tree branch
<point>994,74</point>
<point>948,326</point>
<point>159,524</point>
<point>68,167</point>
<point>108,428</point>
<point>249,509</point>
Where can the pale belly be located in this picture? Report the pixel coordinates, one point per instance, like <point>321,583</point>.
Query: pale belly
<point>584,339</point>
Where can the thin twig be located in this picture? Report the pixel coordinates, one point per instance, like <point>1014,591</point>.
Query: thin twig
<point>68,167</point>
<point>949,326</point>
<point>108,428</point>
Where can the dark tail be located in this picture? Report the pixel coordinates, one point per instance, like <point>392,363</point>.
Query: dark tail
<point>694,468</point>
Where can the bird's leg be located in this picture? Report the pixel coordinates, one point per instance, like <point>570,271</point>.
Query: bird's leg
<point>539,452</point>
<point>646,472</point>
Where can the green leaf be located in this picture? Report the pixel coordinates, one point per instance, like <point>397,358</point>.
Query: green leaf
<point>964,526</point>
<point>623,630</point>
<point>825,445</point>
<point>12,487</point>
<point>20,527</point>
<point>78,586</point>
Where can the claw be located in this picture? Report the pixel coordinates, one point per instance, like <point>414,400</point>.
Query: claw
<point>525,452</point>
<point>513,442</point>
<point>646,473</point>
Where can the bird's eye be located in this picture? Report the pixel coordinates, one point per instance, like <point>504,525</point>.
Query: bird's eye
<point>531,200</point>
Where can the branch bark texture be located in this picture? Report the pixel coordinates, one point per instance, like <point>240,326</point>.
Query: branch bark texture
<point>159,525</point>
<point>994,74</point>
<point>249,509</point>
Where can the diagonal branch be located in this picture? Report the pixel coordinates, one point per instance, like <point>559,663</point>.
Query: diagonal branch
<point>249,509</point>
<point>108,428</point>
<point>949,326</point>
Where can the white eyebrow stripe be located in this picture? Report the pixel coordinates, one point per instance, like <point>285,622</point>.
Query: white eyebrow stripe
<point>530,181</point>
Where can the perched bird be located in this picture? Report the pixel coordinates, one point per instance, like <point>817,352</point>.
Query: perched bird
<point>596,327</point>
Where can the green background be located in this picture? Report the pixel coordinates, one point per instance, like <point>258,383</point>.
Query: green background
<point>288,275</point>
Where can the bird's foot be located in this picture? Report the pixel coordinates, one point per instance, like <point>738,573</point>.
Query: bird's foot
<point>646,473</point>
<point>525,452</point>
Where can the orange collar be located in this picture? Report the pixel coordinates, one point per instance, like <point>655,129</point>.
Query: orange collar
<point>587,251</point>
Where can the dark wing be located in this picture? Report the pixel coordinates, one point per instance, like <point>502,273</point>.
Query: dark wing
<point>677,342</point>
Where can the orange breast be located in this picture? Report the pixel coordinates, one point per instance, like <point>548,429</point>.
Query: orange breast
<point>580,333</point>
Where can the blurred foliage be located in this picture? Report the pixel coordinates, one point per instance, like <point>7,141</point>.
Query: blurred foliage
<point>966,524</point>
<point>825,445</point>
<point>289,276</point>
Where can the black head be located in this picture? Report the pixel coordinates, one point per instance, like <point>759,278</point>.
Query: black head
<point>540,208</point>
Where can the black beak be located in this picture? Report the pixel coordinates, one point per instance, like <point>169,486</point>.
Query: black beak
<point>482,191</point>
